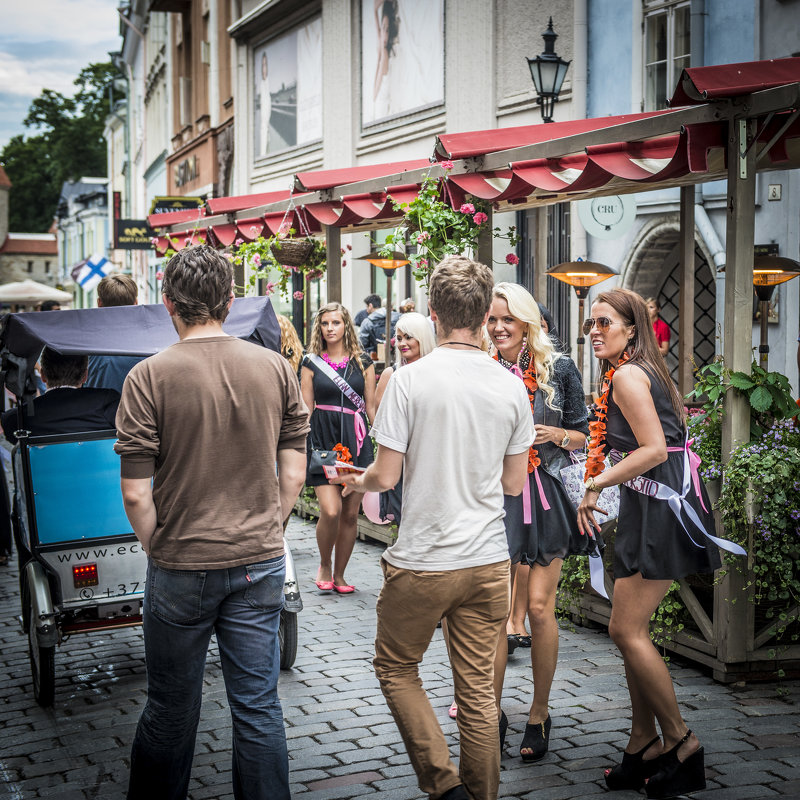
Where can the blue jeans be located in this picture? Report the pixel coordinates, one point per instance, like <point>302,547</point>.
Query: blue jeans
<point>182,608</point>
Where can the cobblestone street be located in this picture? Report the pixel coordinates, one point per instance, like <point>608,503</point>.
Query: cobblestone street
<point>342,741</point>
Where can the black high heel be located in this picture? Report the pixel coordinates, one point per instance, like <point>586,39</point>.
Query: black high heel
<point>633,770</point>
<point>536,739</point>
<point>503,724</point>
<point>676,777</point>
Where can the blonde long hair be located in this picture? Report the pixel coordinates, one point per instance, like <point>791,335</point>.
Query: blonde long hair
<point>522,306</point>
<point>418,327</point>
<point>291,348</point>
<point>351,343</point>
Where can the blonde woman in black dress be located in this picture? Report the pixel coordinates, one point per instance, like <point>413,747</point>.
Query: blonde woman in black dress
<point>659,538</point>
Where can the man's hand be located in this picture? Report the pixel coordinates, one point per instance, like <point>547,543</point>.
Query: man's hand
<point>381,475</point>
<point>137,495</point>
<point>352,483</point>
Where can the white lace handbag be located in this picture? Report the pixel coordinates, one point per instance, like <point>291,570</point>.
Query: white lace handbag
<point>572,476</point>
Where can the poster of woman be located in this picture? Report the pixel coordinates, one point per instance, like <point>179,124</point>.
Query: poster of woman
<point>287,90</point>
<point>402,57</point>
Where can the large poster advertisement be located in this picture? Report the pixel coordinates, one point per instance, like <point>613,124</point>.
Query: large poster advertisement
<point>402,57</point>
<point>287,90</point>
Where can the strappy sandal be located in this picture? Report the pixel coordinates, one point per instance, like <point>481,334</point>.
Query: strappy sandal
<point>632,772</point>
<point>675,777</point>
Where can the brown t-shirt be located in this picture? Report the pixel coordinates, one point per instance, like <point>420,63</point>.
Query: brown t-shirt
<point>206,418</point>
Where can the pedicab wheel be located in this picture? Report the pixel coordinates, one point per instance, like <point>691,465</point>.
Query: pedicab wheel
<point>43,662</point>
<point>287,638</point>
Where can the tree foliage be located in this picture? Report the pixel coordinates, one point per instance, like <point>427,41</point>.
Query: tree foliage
<point>66,144</point>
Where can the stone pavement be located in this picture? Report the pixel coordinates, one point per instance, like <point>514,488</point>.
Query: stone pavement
<point>342,740</point>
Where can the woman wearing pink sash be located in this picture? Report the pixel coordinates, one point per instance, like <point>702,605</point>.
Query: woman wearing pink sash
<point>338,384</point>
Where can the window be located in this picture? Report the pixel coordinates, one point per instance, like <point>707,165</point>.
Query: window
<point>666,50</point>
<point>47,266</point>
<point>30,266</point>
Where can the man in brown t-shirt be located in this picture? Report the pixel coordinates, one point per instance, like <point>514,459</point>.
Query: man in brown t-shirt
<point>212,445</point>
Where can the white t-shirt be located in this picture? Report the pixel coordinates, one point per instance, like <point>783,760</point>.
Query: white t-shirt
<point>455,414</point>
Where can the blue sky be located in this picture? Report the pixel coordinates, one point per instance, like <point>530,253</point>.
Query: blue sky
<point>45,44</point>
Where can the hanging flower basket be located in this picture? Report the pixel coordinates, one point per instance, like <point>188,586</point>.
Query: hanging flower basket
<point>292,252</point>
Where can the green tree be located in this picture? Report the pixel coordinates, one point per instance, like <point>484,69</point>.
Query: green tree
<point>67,144</point>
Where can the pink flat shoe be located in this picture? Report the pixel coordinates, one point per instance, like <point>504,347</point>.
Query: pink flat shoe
<point>324,586</point>
<point>345,589</point>
<point>452,712</point>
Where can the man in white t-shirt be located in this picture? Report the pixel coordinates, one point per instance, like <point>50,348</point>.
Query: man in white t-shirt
<point>459,427</point>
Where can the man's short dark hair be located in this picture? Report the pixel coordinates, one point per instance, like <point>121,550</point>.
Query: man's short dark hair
<point>460,293</point>
<point>58,370</point>
<point>198,280</point>
<point>50,305</point>
<point>117,290</point>
<point>373,300</point>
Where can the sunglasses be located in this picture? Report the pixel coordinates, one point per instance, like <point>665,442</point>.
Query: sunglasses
<point>602,323</point>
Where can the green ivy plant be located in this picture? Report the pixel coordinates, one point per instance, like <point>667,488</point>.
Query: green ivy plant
<point>438,230</point>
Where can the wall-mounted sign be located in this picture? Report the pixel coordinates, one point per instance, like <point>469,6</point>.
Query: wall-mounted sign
<point>163,205</point>
<point>186,171</point>
<point>607,217</point>
<point>132,234</point>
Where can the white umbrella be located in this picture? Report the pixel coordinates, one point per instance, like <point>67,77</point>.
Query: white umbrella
<point>29,291</point>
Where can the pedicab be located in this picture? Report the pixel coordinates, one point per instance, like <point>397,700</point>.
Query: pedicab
<point>82,568</point>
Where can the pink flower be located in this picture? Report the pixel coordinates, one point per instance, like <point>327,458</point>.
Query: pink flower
<point>298,295</point>
<point>424,262</point>
<point>160,275</point>
<point>270,288</point>
<point>480,218</point>
<point>512,259</point>
<point>239,242</point>
<point>349,247</point>
<point>467,208</point>
<point>343,250</point>
<point>344,262</point>
<point>154,241</point>
<point>446,165</point>
<point>424,236</point>
<point>254,229</point>
<point>256,260</point>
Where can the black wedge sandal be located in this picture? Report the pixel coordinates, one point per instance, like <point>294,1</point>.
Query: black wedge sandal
<point>503,724</point>
<point>633,770</point>
<point>536,739</point>
<point>676,777</point>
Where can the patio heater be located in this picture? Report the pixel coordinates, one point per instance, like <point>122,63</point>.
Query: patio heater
<point>581,275</point>
<point>768,272</point>
<point>388,264</point>
<point>548,71</point>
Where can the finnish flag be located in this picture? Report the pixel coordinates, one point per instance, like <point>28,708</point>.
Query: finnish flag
<point>92,272</point>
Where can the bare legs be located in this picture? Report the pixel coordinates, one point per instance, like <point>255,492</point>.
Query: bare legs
<point>519,602</point>
<point>336,531</point>
<point>542,585</point>
<point>649,683</point>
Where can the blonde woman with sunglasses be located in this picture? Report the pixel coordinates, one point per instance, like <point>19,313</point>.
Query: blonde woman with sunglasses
<point>540,525</point>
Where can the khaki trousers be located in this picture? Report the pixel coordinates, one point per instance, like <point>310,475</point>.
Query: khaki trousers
<point>411,603</point>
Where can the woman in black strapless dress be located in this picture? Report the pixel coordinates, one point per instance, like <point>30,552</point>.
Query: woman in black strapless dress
<point>640,416</point>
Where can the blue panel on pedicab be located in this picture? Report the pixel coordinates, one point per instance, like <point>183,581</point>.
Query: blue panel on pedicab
<point>77,491</point>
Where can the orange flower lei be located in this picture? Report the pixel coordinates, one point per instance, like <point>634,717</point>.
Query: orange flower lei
<point>344,454</point>
<point>531,384</point>
<point>595,462</point>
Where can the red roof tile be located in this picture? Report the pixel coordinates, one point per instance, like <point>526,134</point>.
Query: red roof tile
<point>17,244</point>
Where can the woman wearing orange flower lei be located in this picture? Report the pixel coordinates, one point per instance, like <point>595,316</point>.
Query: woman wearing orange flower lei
<point>640,415</point>
<point>541,526</point>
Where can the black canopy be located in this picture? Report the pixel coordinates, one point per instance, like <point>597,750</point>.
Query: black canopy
<point>117,331</point>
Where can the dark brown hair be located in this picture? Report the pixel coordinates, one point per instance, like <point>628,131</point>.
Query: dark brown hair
<point>58,370</point>
<point>198,280</point>
<point>460,293</point>
<point>642,347</point>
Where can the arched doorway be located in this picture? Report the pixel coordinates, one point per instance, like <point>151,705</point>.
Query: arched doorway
<point>653,270</point>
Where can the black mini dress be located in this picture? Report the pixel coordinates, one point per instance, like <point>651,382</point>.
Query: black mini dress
<point>329,428</point>
<point>650,538</point>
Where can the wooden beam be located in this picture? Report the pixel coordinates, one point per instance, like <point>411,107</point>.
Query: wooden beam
<point>686,292</point>
<point>485,254</point>
<point>540,264</point>
<point>333,245</point>
<point>738,326</point>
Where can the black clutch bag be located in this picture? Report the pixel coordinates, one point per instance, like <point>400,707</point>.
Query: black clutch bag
<point>319,459</point>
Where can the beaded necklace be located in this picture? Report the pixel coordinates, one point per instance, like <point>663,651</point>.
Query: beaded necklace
<point>334,364</point>
<point>595,461</point>
<point>525,369</point>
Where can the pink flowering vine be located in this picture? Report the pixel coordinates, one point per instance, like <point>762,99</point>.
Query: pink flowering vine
<point>298,295</point>
<point>512,259</point>
<point>446,165</point>
<point>423,237</point>
<point>239,242</point>
<point>480,218</point>
<point>270,287</point>
<point>467,208</point>
<point>160,275</point>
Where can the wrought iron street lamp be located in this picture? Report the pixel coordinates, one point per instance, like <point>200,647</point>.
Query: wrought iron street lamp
<point>548,71</point>
<point>581,275</point>
<point>768,272</point>
<point>388,263</point>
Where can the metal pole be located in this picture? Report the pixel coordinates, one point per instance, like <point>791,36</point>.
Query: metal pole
<point>387,342</point>
<point>333,247</point>
<point>581,291</point>
<point>763,347</point>
<point>686,292</point>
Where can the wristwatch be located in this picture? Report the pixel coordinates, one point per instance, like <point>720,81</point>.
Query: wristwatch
<point>591,486</point>
<point>565,440</point>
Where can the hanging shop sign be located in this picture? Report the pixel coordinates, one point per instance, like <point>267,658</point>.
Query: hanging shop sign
<point>163,205</point>
<point>132,234</point>
<point>607,217</point>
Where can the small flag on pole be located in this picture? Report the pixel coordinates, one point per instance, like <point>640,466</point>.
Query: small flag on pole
<point>89,273</point>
